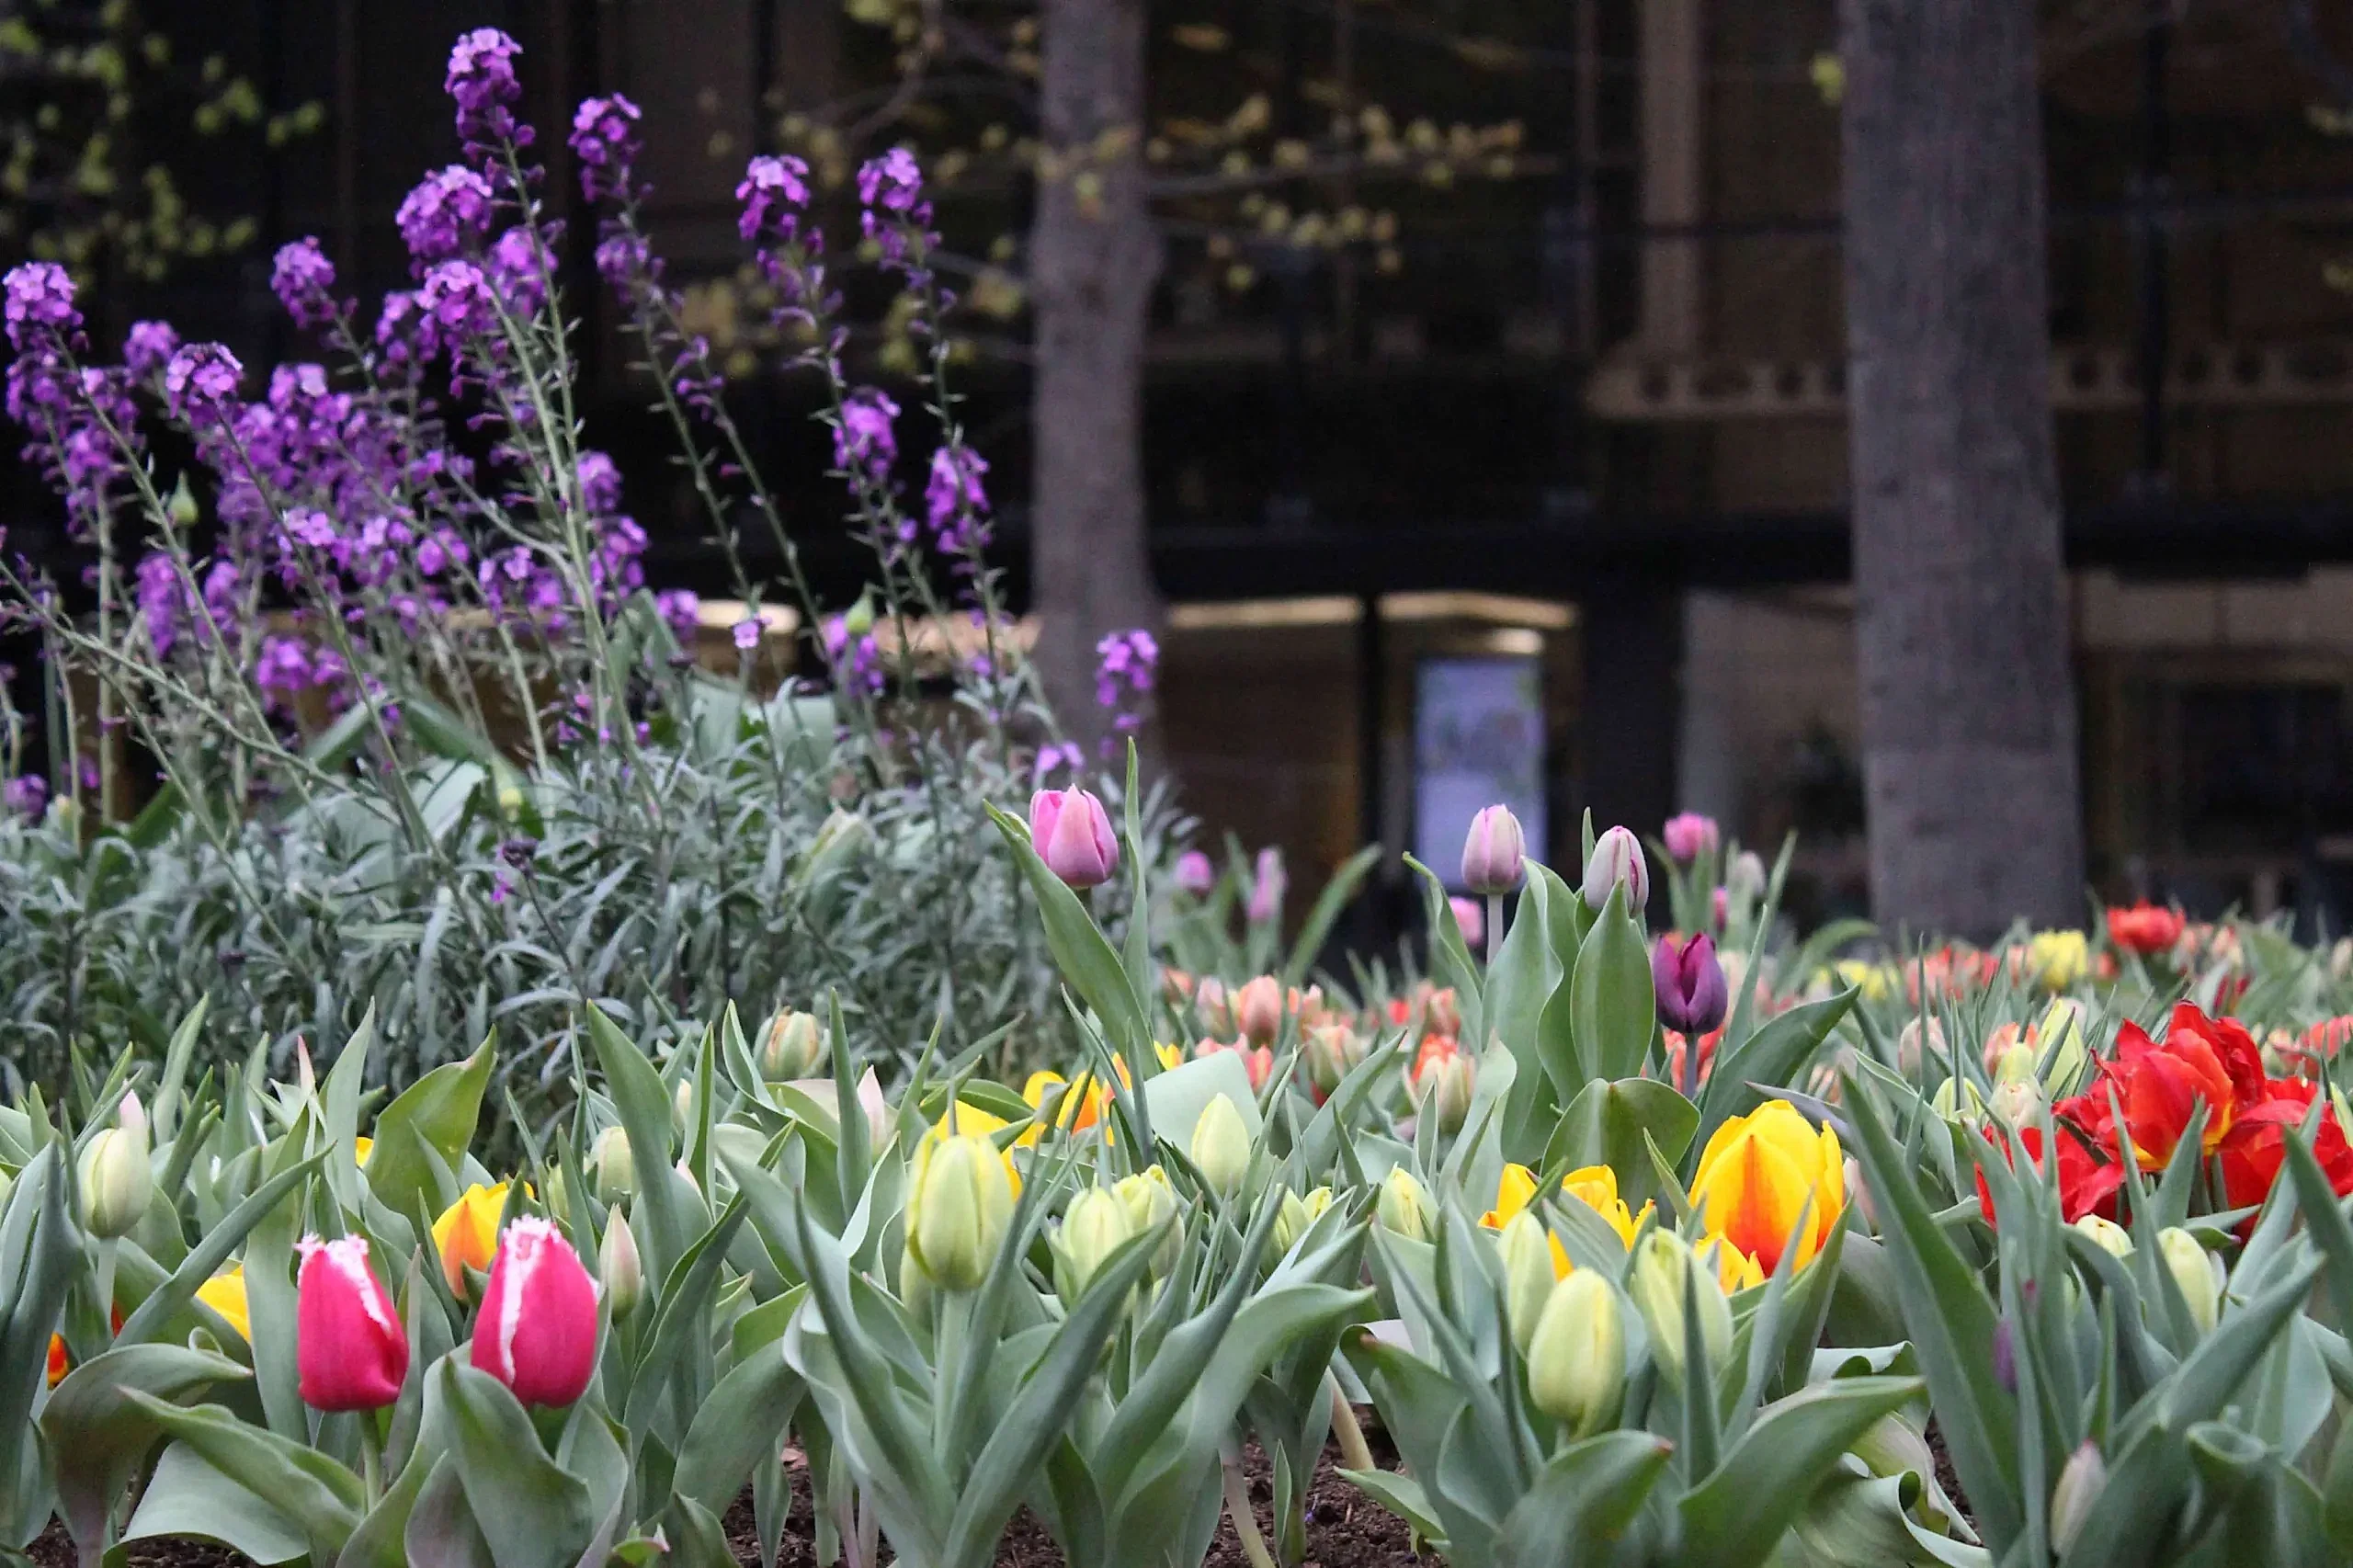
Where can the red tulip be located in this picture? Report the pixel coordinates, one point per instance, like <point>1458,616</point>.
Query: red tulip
<point>537,1331</point>
<point>2086,1185</point>
<point>2213,1061</point>
<point>348,1344</point>
<point>2144,928</point>
<point>2255,1148</point>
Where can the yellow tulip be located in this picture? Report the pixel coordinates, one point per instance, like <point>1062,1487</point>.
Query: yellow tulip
<point>466,1235</point>
<point>1593,1186</point>
<point>971,1121</point>
<point>1757,1173</point>
<point>225,1294</point>
<point>360,1149</point>
<point>2056,959</point>
<point>1514,1190</point>
<point>1876,982</point>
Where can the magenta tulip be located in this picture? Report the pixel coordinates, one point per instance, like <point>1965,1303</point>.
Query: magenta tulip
<point>1492,851</point>
<point>349,1347</point>
<point>1194,875</point>
<point>1690,983</point>
<point>537,1330</point>
<point>1071,834</point>
<point>1690,836</point>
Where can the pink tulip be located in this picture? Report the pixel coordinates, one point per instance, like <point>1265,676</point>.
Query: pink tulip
<point>1073,834</point>
<point>537,1331</point>
<point>1469,918</point>
<point>1194,875</point>
<point>1492,851</point>
<point>1268,887</point>
<point>349,1347</point>
<point>1690,836</point>
<point>1259,1009</point>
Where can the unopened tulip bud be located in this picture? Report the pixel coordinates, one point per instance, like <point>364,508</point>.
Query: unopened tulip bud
<point>1860,1190</point>
<point>1446,1085</point>
<point>792,1047</point>
<point>1267,884</point>
<point>1259,1009</point>
<point>1689,983</point>
<point>1617,861</point>
<point>2080,1484</point>
<point>350,1351</point>
<point>1221,1146</point>
<point>1526,1251</point>
<point>537,1329</point>
<point>2017,1103</point>
<point>1664,1272</point>
<point>1909,1042</point>
<point>116,1180</point>
<point>1403,1207</point>
<point>958,1205</point>
<point>615,1166</point>
<point>1215,1008</point>
<point>1745,877</point>
<point>1150,1203</point>
<point>2197,1272</point>
<point>842,834</point>
<point>2106,1235</point>
<point>619,1267</point>
<point>2015,1064</point>
<point>1576,1355</point>
<point>1330,1051</point>
<point>1492,851</point>
<point>1092,1230</point>
<point>1071,834</point>
<point>1195,873</point>
<point>682,1104</point>
<point>1470,919</point>
<point>1690,835</point>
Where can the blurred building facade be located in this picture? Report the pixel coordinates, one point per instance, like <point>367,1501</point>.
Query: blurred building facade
<point>1577,400</point>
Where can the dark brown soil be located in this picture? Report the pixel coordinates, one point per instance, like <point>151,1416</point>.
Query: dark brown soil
<point>1947,1477</point>
<point>1345,1529</point>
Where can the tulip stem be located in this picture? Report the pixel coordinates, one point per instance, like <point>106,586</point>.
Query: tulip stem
<point>1494,926</point>
<point>372,1459</point>
<point>1244,1517</point>
<point>104,1285</point>
<point>1355,1453</point>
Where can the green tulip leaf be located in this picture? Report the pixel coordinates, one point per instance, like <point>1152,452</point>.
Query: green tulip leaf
<point>1612,1003</point>
<point>97,1437</point>
<point>1606,1123</point>
<point>1736,1515</point>
<point>531,1511</point>
<point>438,1112</point>
<point>317,1495</point>
<point>187,1497</point>
<point>1779,1052</point>
<point>1588,1494</point>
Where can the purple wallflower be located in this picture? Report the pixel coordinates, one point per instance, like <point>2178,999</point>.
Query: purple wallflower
<point>24,796</point>
<point>856,660</point>
<point>199,379</point>
<point>513,268</point>
<point>682,609</point>
<point>1124,673</point>
<point>771,184</point>
<point>864,440</point>
<point>455,301</point>
<point>481,81</point>
<point>604,138</point>
<point>148,347</point>
<point>303,280</point>
<point>953,500</point>
<point>747,633</point>
<point>449,210</point>
<point>892,181</point>
<point>40,295</point>
<point>162,602</point>
<point>622,258</point>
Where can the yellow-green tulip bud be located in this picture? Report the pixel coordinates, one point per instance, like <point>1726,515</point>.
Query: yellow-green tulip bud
<point>2106,1235</point>
<point>2196,1272</point>
<point>1094,1228</point>
<point>791,1047</point>
<point>1662,1266</point>
<point>1290,1221</point>
<point>2080,1484</point>
<point>957,1206</point>
<point>117,1181</point>
<point>2016,1102</point>
<point>615,1166</point>
<point>1150,1203</point>
<point>1403,1207</point>
<point>1527,1250</point>
<point>619,1269</point>
<point>682,1103</point>
<point>1220,1148</point>
<point>1576,1357</point>
<point>2014,1065</point>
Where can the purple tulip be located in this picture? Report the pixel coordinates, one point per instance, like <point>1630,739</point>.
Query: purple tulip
<point>1194,875</point>
<point>1492,851</point>
<point>1689,984</point>
<point>1073,835</point>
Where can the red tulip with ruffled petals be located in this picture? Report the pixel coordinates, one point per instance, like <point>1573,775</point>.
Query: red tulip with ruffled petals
<point>2204,1061</point>
<point>537,1331</point>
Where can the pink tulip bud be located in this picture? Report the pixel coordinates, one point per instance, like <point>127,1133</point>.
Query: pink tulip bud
<point>1194,875</point>
<point>1617,861</point>
<point>1073,835</point>
<point>1690,836</point>
<point>1259,1009</point>
<point>1470,919</point>
<point>537,1332</point>
<point>1492,851</point>
<point>1266,887</point>
<point>349,1347</point>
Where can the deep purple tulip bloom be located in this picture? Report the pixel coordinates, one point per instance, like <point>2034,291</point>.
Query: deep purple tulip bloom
<point>1689,984</point>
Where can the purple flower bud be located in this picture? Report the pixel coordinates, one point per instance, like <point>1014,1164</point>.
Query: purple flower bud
<point>604,138</point>
<point>1469,918</point>
<point>518,852</point>
<point>482,82</point>
<point>1690,836</point>
<point>1689,984</point>
<point>1194,875</point>
<point>40,294</point>
<point>303,280</point>
<point>1267,886</point>
<point>148,347</point>
<point>1492,851</point>
<point>1617,861</point>
<point>449,210</point>
<point>2006,1357</point>
<point>199,378</point>
<point>1073,835</point>
<point>770,185</point>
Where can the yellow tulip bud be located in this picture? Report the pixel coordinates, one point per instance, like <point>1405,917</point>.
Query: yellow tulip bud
<point>957,1206</point>
<point>791,1047</point>
<point>1403,1207</point>
<point>615,1166</point>
<point>1150,1203</point>
<point>2080,1484</point>
<point>116,1180</point>
<point>2197,1274</point>
<point>1094,1228</point>
<point>1290,1221</point>
<point>2110,1236</point>
<point>1576,1354</point>
<point>1663,1265</point>
<point>1527,1275</point>
<point>619,1269</point>
<point>1220,1148</point>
